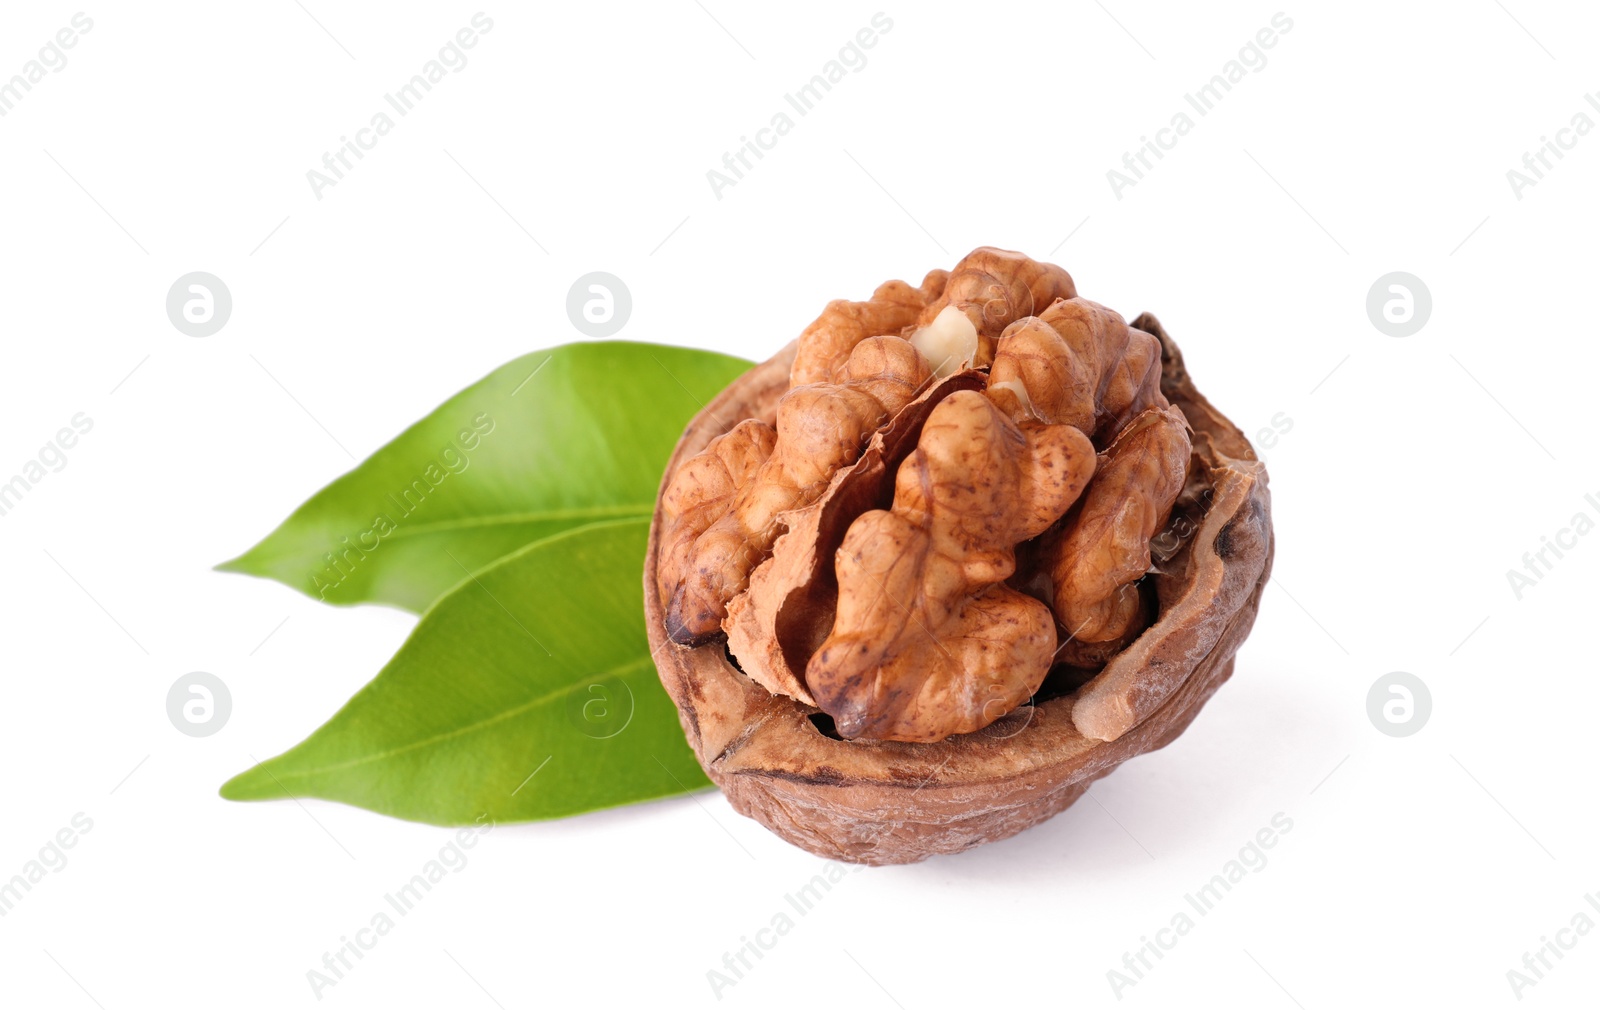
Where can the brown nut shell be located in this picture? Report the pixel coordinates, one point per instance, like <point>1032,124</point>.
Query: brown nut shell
<point>892,802</point>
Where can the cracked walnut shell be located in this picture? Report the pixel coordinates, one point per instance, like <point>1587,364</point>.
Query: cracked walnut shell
<point>905,606</point>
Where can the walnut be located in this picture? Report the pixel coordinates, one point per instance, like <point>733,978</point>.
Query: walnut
<point>822,426</point>
<point>926,640</point>
<point>1105,547</point>
<point>826,344</point>
<point>994,287</point>
<point>953,554</point>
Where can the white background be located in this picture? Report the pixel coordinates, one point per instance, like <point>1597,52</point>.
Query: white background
<point>1417,472</point>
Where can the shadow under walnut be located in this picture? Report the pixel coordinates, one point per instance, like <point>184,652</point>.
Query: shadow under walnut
<point>888,802</point>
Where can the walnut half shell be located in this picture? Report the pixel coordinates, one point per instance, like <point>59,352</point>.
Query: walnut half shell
<point>899,802</point>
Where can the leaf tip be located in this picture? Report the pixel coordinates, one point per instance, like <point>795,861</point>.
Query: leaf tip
<point>244,564</point>
<point>244,786</point>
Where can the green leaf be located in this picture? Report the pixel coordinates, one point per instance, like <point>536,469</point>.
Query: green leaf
<point>527,692</point>
<point>551,441</point>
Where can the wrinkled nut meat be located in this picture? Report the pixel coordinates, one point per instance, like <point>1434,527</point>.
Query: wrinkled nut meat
<point>949,557</point>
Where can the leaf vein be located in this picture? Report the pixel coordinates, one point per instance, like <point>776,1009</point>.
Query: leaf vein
<point>517,518</point>
<point>437,738</point>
